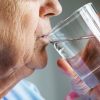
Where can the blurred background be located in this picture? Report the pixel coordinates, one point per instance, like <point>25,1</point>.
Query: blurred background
<point>52,82</point>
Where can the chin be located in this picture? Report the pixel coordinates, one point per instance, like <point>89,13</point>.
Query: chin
<point>38,60</point>
<point>41,60</point>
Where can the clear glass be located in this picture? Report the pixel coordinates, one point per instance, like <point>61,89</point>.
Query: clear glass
<point>77,39</point>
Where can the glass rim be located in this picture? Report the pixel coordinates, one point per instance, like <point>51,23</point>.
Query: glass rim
<point>66,19</point>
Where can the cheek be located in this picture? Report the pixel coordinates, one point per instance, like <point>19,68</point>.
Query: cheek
<point>29,16</point>
<point>29,23</point>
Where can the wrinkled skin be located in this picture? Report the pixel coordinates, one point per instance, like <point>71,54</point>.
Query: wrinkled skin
<point>21,51</point>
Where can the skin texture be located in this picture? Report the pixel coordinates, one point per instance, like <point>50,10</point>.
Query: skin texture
<point>21,51</point>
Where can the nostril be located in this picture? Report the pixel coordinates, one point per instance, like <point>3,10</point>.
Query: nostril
<point>50,8</point>
<point>49,14</point>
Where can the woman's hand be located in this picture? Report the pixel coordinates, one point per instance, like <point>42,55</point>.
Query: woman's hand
<point>62,63</point>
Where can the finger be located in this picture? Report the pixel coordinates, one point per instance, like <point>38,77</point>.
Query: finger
<point>64,65</point>
<point>95,91</point>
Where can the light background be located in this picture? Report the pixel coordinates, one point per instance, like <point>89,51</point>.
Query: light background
<point>52,83</point>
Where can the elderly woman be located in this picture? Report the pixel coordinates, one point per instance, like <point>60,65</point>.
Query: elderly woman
<point>21,51</point>
<point>23,23</point>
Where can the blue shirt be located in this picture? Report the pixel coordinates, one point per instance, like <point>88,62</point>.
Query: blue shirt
<point>24,90</point>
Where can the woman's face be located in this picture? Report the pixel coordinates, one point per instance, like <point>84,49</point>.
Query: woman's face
<point>22,22</point>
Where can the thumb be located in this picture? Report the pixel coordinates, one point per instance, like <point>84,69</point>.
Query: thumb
<point>64,65</point>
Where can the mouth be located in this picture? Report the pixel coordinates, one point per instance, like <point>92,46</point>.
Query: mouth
<point>44,38</point>
<point>41,43</point>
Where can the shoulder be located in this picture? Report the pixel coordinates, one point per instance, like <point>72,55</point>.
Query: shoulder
<point>24,90</point>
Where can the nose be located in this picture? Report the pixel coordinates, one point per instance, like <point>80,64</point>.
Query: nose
<point>50,8</point>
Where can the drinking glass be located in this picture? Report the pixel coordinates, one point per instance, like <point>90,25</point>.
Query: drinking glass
<point>77,39</point>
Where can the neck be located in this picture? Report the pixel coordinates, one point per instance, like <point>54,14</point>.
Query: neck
<point>9,82</point>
